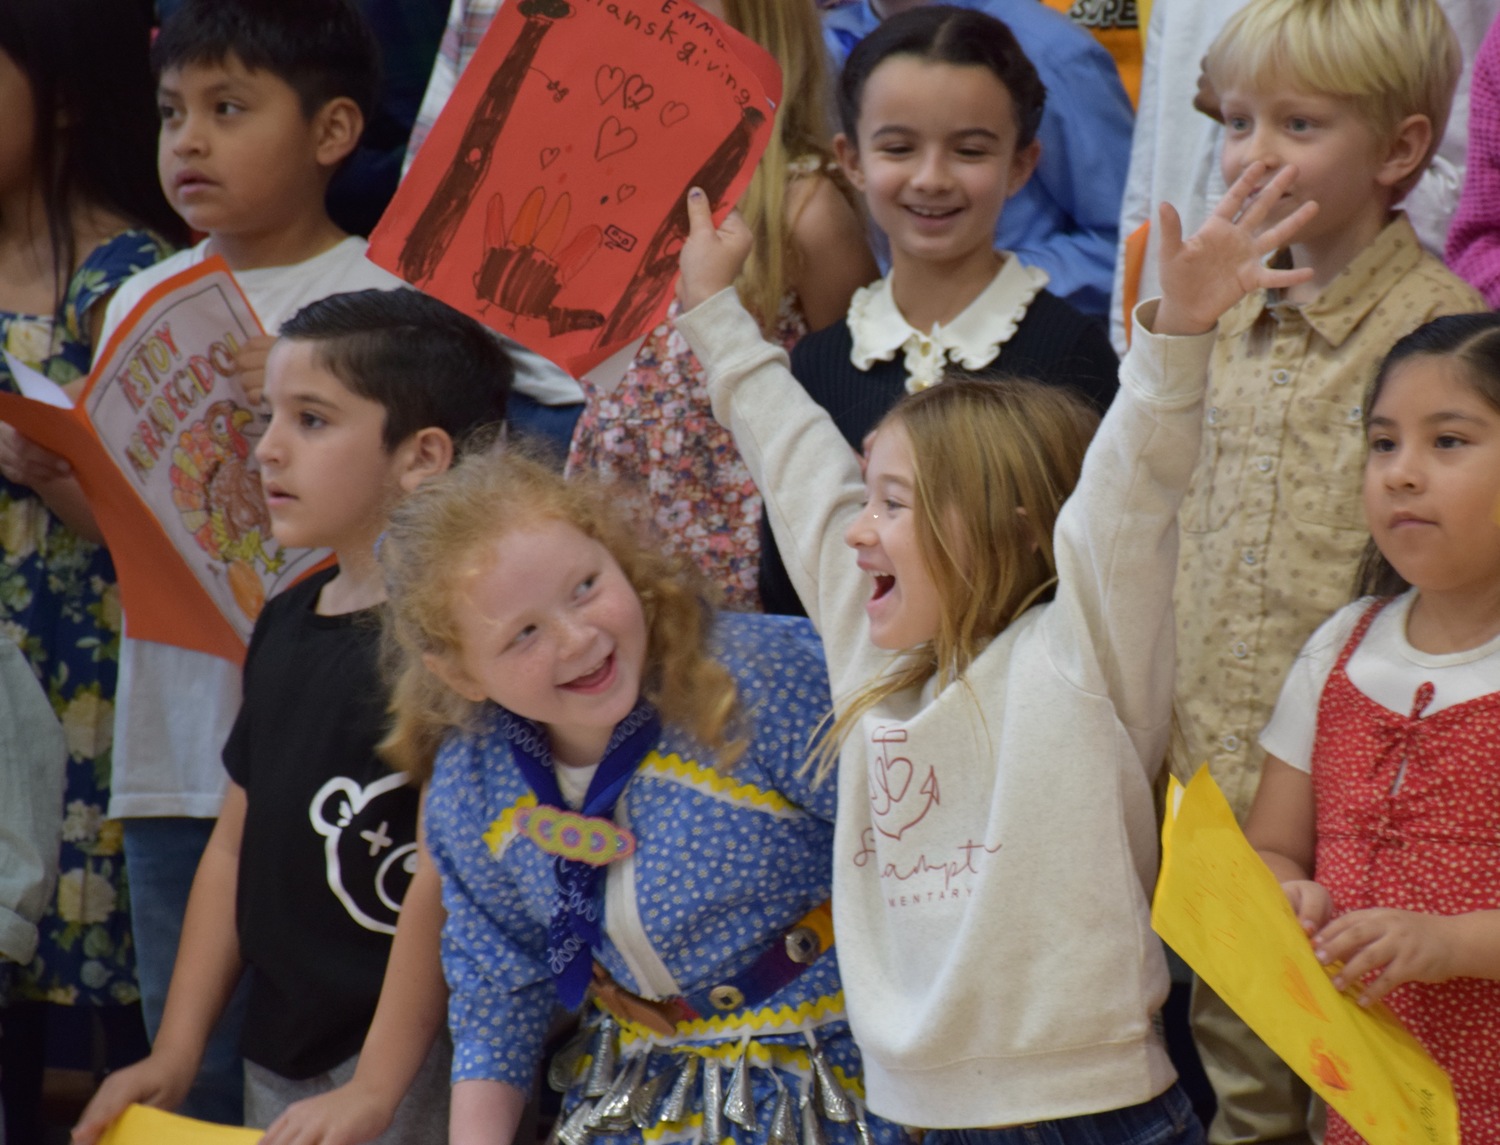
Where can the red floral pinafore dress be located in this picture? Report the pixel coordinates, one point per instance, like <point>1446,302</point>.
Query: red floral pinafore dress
<point>1408,817</point>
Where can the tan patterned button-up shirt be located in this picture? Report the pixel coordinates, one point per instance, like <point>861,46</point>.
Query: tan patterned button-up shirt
<point>1272,527</point>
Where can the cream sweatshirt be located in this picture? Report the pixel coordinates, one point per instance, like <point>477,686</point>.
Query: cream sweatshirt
<point>996,844</point>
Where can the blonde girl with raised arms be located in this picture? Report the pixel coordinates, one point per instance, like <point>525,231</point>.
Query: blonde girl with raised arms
<point>1000,648</point>
<point>1380,798</point>
<point>619,811</point>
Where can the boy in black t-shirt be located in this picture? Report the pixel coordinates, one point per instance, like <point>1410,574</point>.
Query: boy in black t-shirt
<point>316,845</point>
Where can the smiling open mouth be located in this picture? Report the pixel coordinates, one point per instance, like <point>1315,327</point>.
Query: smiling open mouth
<point>883,585</point>
<point>595,678</point>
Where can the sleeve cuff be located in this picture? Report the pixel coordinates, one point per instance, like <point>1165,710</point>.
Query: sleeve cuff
<point>1167,371</point>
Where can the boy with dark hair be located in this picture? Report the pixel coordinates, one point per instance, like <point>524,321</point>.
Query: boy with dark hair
<point>303,879</point>
<point>261,102</point>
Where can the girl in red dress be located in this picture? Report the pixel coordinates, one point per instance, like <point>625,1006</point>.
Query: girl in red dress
<point>1379,806</point>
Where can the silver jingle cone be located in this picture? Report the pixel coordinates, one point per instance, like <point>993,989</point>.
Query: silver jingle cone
<point>713,1102</point>
<point>575,1130</point>
<point>812,1124</point>
<point>613,1111</point>
<point>863,1130</point>
<point>676,1106</point>
<point>606,1057</point>
<point>833,1102</point>
<point>564,1067</point>
<point>739,1106</point>
<point>783,1120</point>
<point>646,1098</point>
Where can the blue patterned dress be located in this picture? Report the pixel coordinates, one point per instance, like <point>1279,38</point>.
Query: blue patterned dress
<point>59,602</point>
<point>724,864</point>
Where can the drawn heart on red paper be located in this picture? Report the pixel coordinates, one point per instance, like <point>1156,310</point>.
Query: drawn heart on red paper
<point>607,81</point>
<point>673,113</point>
<point>625,191</point>
<point>614,137</point>
<point>637,93</point>
<point>549,154</point>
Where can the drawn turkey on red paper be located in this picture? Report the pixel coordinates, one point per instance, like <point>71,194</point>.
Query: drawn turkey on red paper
<point>901,792</point>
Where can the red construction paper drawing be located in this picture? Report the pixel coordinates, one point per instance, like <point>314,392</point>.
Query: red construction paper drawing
<point>549,199</point>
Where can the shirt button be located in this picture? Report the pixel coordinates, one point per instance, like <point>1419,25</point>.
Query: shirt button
<point>1356,412</point>
<point>1250,558</point>
<point>1264,464</point>
<point>1230,743</point>
<point>1213,415</point>
<point>1240,649</point>
<point>1281,377</point>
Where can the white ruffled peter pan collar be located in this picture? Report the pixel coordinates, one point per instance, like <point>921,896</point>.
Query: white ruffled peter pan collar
<point>973,339</point>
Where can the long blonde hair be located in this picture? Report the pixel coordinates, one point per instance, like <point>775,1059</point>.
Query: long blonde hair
<point>791,32</point>
<point>438,532</point>
<point>993,462</point>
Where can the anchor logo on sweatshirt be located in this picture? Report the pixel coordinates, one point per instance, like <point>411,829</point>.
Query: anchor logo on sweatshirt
<point>901,793</point>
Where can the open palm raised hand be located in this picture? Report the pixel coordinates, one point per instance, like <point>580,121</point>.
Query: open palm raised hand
<point>1203,276</point>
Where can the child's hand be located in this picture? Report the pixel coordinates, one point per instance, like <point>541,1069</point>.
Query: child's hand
<point>1205,275</point>
<point>1402,945</point>
<point>152,1081</point>
<point>1310,903</point>
<point>712,257</point>
<point>345,1116</point>
<point>250,366</point>
<point>27,463</point>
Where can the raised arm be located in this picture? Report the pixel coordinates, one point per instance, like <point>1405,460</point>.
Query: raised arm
<point>806,473</point>
<point>1116,539</point>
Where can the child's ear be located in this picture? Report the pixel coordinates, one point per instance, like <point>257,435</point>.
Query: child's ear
<point>454,678</point>
<point>1404,155</point>
<point>1023,163</point>
<point>425,454</point>
<point>847,154</point>
<point>337,127</point>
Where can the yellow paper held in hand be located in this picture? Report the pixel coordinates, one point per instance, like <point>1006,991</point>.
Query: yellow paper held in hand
<point>1220,907</point>
<point>142,1125</point>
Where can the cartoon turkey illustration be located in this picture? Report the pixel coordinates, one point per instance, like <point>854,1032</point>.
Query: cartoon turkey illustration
<point>219,494</point>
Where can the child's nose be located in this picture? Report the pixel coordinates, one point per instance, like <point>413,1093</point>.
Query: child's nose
<point>932,172</point>
<point>860,532</point>
<point>188,138</point>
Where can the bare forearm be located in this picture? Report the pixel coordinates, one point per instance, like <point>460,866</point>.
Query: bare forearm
<point>208,955</point>
<point>65,498</point>
<point>1285,869</point>
<point>484,1113</point>
<point>413,997</point>
<point>1475,938</point>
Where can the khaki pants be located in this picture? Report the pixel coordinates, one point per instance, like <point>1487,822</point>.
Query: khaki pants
<point>1260,1098</point>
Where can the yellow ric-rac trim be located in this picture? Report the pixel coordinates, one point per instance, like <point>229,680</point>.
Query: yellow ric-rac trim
<point>733,1027</point>
<point>503,829</point>
<point>710,782</point>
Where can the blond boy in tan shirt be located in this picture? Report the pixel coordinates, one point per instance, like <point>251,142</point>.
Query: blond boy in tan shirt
<point>1355,93</point>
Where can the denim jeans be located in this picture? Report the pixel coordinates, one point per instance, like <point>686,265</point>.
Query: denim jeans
<point>162,857</point>
<point>1165,1120</point>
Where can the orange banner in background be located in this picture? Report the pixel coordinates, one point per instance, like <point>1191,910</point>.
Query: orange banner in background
<point>549,199</point>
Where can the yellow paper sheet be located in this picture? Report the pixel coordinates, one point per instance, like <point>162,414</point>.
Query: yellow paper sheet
<point>142,1125</point>
<point>1220,907</point>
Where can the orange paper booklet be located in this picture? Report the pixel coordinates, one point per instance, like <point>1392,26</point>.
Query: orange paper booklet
<point>162,441</point>
<point>549,201</point>
<point>1220,907</point>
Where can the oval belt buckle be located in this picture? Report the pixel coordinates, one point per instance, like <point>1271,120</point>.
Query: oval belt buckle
<point>802,945</point>
<point>726,997</point>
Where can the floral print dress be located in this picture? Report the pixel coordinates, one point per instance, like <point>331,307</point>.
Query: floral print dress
<point>657,432</point>
<point>59,602</point>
